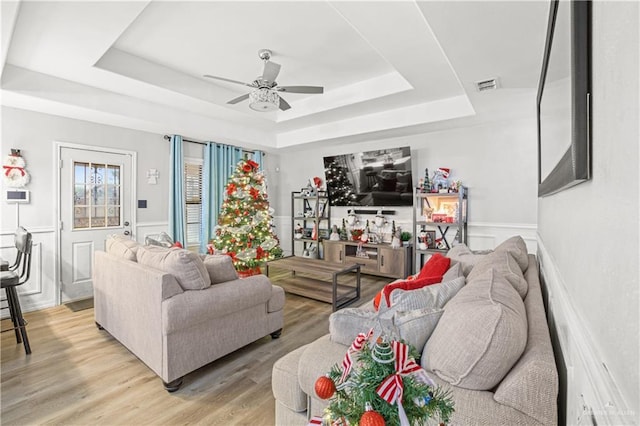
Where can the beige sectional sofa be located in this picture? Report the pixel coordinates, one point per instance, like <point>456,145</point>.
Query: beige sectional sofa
<point>490,347</point>
<point>177,311</point>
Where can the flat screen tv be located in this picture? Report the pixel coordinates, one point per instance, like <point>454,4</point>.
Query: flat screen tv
<point>379,178</point>
<point>563,102</point>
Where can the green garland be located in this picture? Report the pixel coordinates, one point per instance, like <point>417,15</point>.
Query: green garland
<point>420,401</point>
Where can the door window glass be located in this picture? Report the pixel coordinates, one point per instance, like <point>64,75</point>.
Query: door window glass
<point>97,199</point>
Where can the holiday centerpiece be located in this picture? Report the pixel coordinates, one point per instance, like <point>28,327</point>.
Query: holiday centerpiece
<point>380,383</point>
<point>244,229</point>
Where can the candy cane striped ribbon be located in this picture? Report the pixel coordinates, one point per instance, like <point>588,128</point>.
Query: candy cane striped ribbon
<point>355,347</point>
<point>392,388</point>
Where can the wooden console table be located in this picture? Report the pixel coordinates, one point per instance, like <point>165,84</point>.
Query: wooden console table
<point>378,259</point>
<point>319,280</point>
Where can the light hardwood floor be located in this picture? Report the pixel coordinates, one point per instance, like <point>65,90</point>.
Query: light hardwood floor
<point>79,375</point>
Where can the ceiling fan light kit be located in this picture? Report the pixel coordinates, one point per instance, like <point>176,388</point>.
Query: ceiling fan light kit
<point>265,95</point>
<point>264,100</point>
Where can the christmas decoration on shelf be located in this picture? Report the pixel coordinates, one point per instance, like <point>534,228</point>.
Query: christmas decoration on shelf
<point>15,175</point>
<point>343,231</point>
<point>380,383</point>
<point>244,230</point>
<point>340,188</point>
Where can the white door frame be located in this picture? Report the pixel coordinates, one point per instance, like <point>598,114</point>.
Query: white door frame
<point>58,146</point>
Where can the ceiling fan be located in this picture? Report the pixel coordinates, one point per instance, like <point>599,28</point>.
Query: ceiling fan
<point>264,96</point>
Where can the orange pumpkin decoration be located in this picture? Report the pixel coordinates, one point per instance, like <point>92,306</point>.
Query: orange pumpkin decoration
<point>325,388</point>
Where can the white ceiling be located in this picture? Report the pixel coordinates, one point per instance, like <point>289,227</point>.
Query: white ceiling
<point>388,68</point>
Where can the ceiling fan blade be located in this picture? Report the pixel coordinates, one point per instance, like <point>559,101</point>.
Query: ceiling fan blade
<point>270,71</point>
<point>284,105</point>
<point>300,89</point>
<point>228,80</point>
<point>238,99</point>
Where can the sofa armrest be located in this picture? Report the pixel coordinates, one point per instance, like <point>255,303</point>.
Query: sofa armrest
<point>128,304</point>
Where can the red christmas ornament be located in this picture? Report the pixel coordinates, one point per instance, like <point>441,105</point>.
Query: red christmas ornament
<point>325,388</point>
<point>371,418</point>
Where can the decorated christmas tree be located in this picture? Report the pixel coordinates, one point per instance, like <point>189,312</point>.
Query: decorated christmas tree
<point>339,186</point>
<point>244,229</point>
<point>380,383</point>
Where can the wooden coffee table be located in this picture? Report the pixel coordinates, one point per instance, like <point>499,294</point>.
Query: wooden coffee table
<point>319,280</point>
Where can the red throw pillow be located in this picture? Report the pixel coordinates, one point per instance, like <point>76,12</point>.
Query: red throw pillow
<point>413,284</point>
<point>177,244</point>
<point>436,266</point>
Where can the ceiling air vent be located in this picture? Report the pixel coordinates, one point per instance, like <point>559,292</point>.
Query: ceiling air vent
<point>483,85</point>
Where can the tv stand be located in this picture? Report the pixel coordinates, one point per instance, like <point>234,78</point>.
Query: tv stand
<point>374,259</point>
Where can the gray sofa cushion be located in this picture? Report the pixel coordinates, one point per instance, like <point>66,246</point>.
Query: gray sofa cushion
<point>504,264</point>
<point>480,336</point>
<point>121,246</point>
<point>284,381</point>
<point>187,267</point>
<point>518,249</point>
<point>412,317</point>
<point>414,326</point>
<point>431,296</point>
<point>454,271</point>
<point>220,268</point>
<point>461,254</point>
<point>194,307</point>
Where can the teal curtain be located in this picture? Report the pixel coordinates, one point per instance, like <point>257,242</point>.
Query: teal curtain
<point>257,157</point>
<point>177,220</point>
<point>219,163</point>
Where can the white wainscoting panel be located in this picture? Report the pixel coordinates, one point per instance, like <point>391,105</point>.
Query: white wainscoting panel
<point>283,231</point>
<point>487,236</point>
<point>592,397</point>
<point>40,291</point>
<point>145,229</point>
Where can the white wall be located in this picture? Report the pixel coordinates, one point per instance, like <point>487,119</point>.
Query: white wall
<point>35,134</point>
<point>497,161</point>
<point>589,237</point>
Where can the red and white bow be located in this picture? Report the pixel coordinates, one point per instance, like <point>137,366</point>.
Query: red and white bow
<point>392,388</point>
<point>355,347</point>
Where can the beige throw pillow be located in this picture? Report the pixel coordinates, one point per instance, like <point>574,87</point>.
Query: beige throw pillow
<point>431,296</point>
<point>461,254</point>
<point>413,326</point>
<point>220,268</point>
<point>186,266</point>
<point>121,246</point>
<point>481,335</point>
<point>504,264</point>
<point>454,271</point>
<point>518,249</point>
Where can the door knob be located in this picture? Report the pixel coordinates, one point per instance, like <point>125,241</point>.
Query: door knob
<point>127,233</point>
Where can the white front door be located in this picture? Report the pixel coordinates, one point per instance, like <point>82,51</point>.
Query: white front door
<point>95,201</point>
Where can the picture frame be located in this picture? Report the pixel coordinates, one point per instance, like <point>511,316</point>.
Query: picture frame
<point>449,207</point>
<point>564,98</point>
<point>322,207</point>
<point>431,239</point>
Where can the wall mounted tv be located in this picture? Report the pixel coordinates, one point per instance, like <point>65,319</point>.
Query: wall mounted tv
<point>373,178</point>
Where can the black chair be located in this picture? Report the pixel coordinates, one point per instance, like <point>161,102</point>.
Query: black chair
<point>18,274</point>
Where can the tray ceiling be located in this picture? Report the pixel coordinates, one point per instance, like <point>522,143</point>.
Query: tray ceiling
<point>385,66</point>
